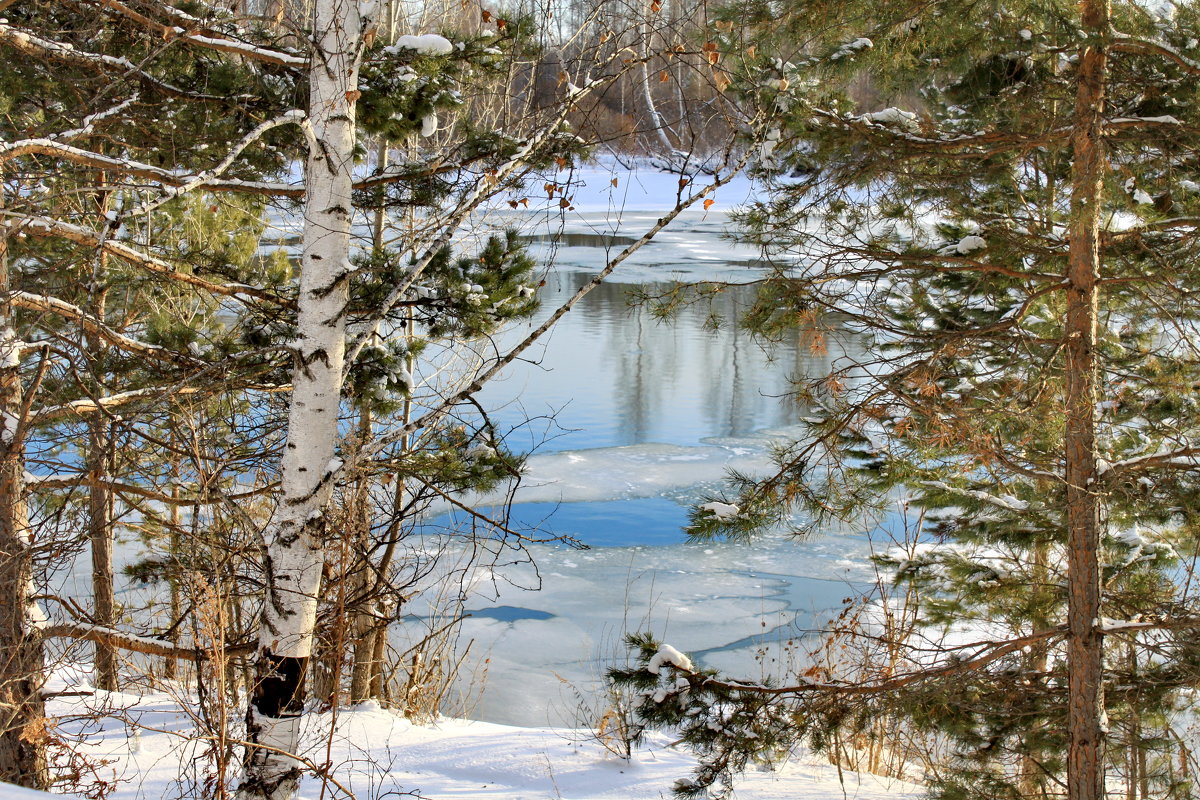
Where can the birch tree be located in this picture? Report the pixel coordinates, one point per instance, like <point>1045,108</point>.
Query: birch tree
<point>295,544</point>
<point>235,103</point>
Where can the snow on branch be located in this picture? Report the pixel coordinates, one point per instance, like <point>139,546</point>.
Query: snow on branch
<point>668,655</point>
<point>1007,502</point>
<point>1180,458</point>
<point>53,146</point>
<point>53,305</point>
<point>134,642</point>
<point>34,45</point>
<point>1132,44</point>
<point>965,658</point>
<point>46,226</point>
<point>89,122</point>
<point>205,177</point>
<point>194,33</point>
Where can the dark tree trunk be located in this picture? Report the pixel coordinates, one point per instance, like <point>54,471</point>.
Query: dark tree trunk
<point>104,607</point>
<point>1085,655</point>
<point>22,713</point>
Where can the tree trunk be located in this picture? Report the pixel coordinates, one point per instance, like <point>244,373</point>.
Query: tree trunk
<point>658,125</point>
<point>100,529</point>
<point>363,608</point>
<point>1085,712</point>
<point>295,543</point>
<point>366,606</point>
<point>171,670</point>
<point>104,607</point>
<point>22,711</point>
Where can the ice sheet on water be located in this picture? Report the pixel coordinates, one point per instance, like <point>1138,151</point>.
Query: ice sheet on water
<point>642,470</point>
<point>711,600</point>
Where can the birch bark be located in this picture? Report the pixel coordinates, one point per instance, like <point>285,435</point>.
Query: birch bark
<point>295,542</point>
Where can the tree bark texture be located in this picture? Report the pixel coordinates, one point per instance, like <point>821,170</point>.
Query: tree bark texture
<point>104,606</point>
<point>295,543</point>
<point>1085,656</point>
<point>22,711</point>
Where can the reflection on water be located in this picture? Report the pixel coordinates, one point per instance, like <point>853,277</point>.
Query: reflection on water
<point>612,374</point>
<point>570,239</point>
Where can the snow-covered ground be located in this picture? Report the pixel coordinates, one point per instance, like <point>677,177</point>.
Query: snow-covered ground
<point>140,743</point>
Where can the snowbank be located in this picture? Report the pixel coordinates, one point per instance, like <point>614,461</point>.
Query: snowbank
<point>373,752</point>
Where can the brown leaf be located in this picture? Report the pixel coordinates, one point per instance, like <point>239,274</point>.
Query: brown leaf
<point>486,15</point>
<point>564,203</point>
<point>664,76</point>
<point>353,95</point>
<point>656,6</point>
<point>614,181</point>
<point>708,203</point>
<point>751,51</point>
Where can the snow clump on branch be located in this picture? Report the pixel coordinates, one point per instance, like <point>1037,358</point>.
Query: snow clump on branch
<point>850,48</point>
<point>668,655</point>
<point>427,44</point>
<point>895,117</point>
<point>721,510</point>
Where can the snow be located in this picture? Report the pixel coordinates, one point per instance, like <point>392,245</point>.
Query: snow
<point>668,655</point>
<point>10,792</point>
<point>429,124</point>
<point>969,244</point>
<point>851,48</point>
<point>721,511</point>
<point>1002,501</point>
<point>894,117</point>
<point>10,349</point>
<point>374,753</point>
<point>426,44</point>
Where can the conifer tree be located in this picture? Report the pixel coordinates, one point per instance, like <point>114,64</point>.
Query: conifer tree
<point>999,198</point>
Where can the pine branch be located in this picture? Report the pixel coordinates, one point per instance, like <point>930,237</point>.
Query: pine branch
<point>47,226</point>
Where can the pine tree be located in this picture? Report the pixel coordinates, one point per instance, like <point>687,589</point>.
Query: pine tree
<point>999,198</point>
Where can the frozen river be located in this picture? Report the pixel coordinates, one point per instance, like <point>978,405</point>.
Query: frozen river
<point>629,420</point>
<point>632,420</point>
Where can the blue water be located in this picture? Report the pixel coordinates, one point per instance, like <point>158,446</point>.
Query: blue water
<point>611,374</point>
<point>653,521</point>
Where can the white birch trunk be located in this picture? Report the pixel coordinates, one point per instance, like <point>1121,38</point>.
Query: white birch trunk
<point>658,126</point>
<point>294,546</point>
